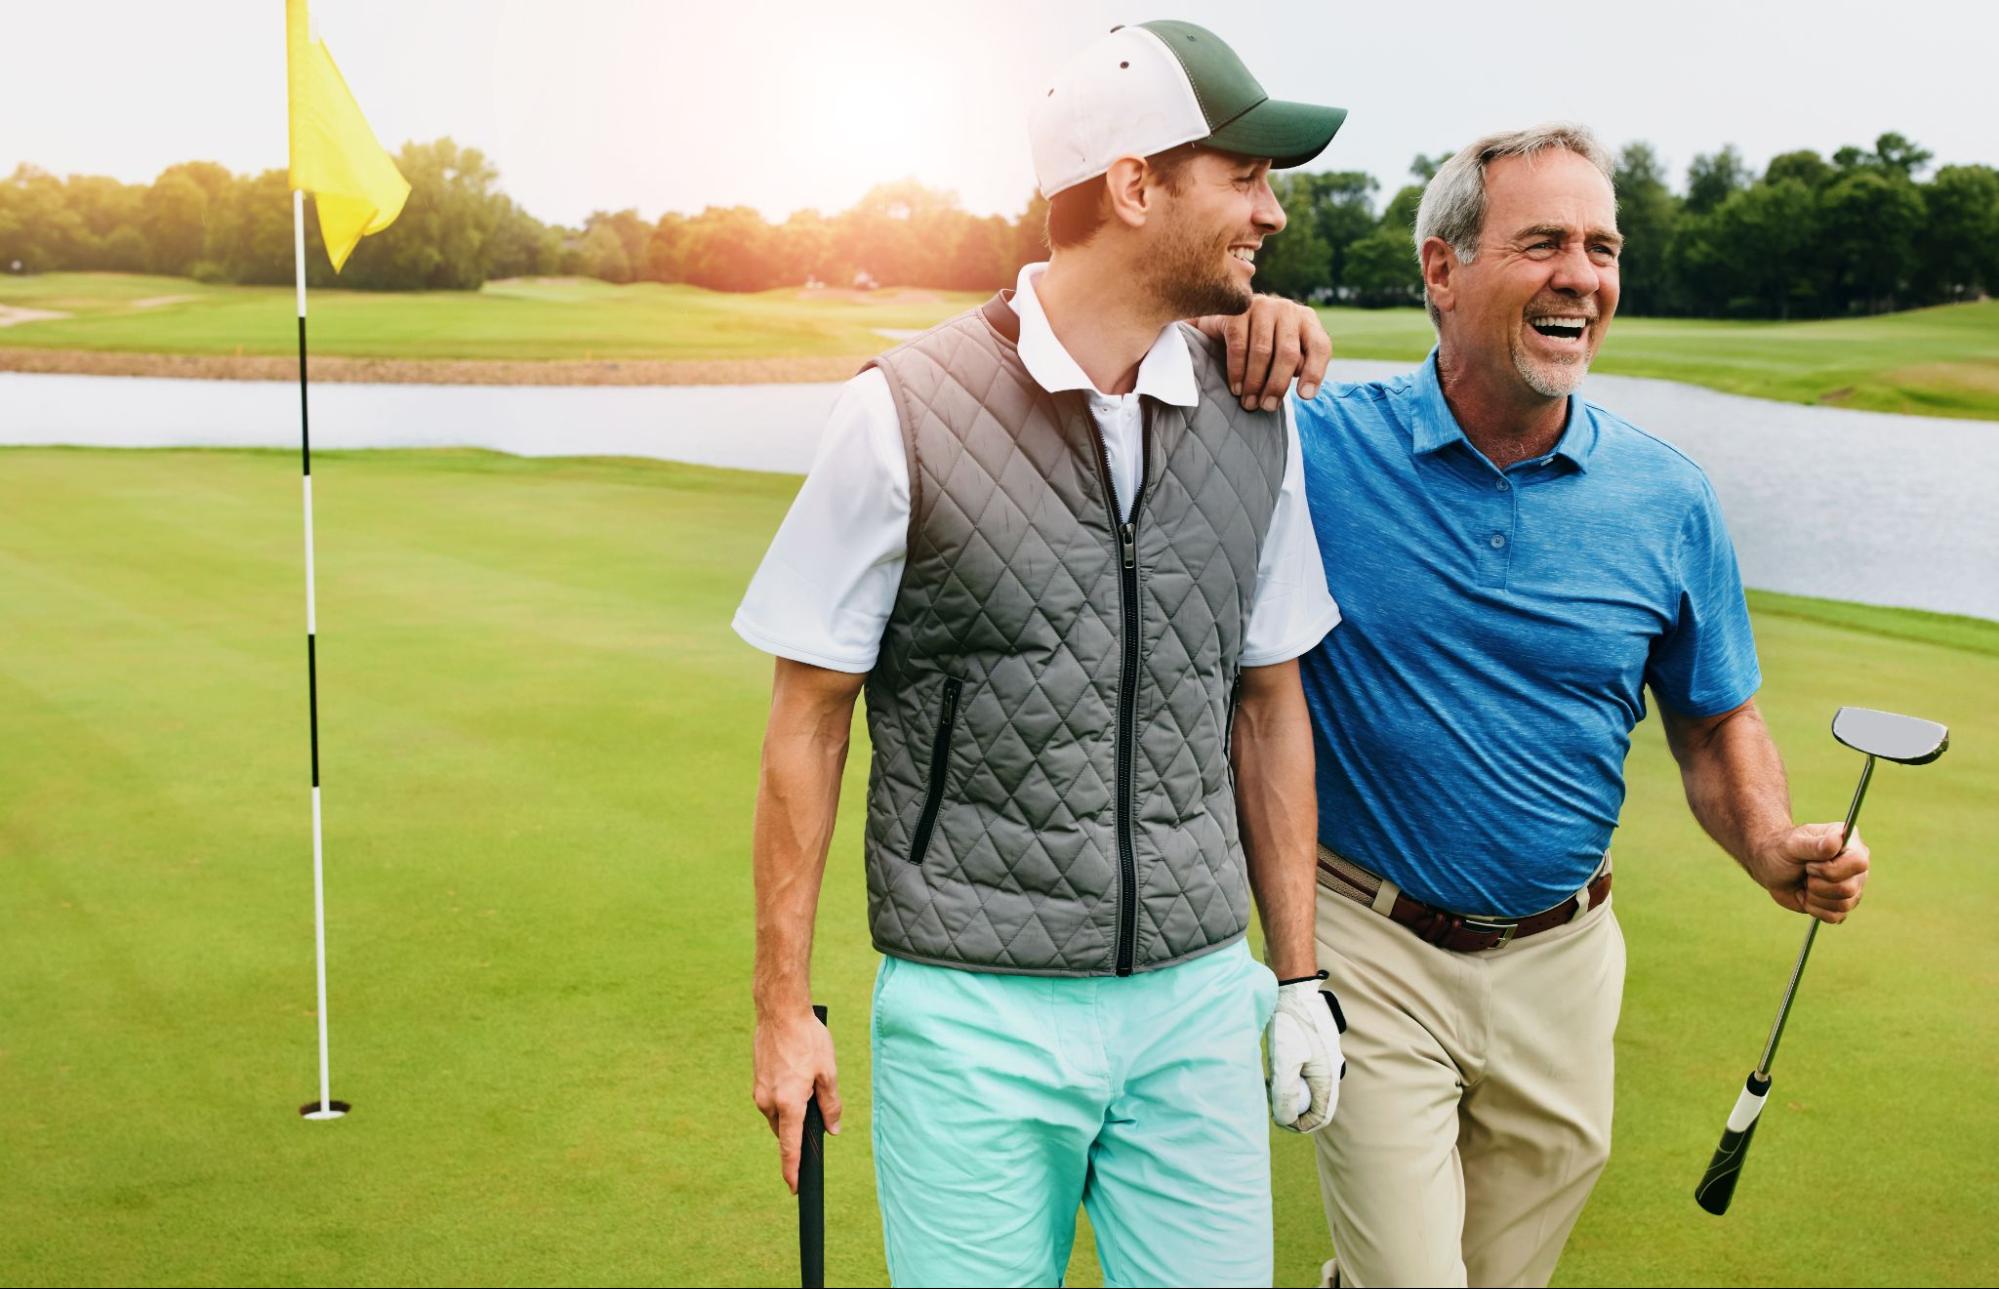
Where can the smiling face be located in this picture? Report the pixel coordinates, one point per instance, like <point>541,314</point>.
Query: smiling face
<point>1533,305</point>
<point>1202,247</point>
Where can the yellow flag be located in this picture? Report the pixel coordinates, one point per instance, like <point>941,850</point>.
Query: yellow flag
<point>334,154</point>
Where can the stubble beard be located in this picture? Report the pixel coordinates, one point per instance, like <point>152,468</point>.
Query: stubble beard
<point>1183,277</point>
<point>1549,380</point>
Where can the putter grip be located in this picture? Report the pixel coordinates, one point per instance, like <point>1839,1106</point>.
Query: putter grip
<point>1717,1186</point>
<point>812,1192</point>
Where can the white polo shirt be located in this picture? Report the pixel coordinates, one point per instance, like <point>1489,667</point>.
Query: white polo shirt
<point>825,588</point>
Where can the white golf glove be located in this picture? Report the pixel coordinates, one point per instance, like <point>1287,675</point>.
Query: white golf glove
<point>1305,1063</point>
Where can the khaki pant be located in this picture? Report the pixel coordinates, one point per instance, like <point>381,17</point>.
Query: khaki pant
<point>1475,1114</point>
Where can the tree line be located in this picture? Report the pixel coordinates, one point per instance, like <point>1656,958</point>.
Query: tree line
<point>1864,231</point>
<point>1860,232</point>
<point>458,231</point>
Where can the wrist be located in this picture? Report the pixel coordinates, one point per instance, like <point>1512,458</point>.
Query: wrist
<point>781,1002</point>
<point>1292,965</point>
<point>1766,856</point>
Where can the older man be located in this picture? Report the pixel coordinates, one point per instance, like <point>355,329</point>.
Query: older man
<point>1514,566</point>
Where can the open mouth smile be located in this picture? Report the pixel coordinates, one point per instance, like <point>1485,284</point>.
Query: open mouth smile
<point>1559,326</point>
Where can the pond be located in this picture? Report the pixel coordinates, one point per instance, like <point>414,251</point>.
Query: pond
<point>1884,509</point>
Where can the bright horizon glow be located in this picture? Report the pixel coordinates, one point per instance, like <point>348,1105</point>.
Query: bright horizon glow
<point>780,105</point>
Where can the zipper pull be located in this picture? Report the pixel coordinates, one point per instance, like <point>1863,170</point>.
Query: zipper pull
<point>1130,540</point>
<point>950,701</point>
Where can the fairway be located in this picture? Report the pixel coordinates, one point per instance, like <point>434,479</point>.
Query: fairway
<point>1931,362</point>
<point>529,319</point>
<point>539,753</point>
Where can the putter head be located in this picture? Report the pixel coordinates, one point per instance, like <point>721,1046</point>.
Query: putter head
<point>1906,740</point>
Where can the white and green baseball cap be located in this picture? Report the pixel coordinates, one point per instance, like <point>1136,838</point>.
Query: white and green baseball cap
<point>1144,89</point>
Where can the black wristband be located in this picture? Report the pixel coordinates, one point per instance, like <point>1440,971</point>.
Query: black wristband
<point>1299,980</point>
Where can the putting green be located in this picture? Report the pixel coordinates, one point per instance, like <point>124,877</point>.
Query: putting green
<point>540,742</point>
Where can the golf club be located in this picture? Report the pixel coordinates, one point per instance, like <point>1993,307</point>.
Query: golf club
<point>1904,740</point>
<point>812,1192</point>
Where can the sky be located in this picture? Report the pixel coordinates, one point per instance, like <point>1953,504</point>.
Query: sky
<point>783,104</point>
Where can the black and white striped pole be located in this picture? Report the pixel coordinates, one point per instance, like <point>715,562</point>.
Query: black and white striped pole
<point>326,1107</point>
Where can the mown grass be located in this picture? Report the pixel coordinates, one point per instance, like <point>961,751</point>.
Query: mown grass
<point>530,319</point>
<point>539,754</point>
<point>1942,361</point>
<point>1935,362</point>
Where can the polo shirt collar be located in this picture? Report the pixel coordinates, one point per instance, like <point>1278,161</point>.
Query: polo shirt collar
<point>1438,428</point>
<point>1166,373</point>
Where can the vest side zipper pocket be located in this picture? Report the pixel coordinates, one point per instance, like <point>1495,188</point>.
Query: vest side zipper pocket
<point>940,764</point>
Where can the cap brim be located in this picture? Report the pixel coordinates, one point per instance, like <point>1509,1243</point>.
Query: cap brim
<point>1290,134</point>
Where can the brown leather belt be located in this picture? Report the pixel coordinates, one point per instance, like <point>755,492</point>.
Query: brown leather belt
<point>1455,931</point>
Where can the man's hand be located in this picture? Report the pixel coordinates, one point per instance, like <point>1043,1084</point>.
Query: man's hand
<point>1276,340</point>
<point>1804,870</point>
<point>1305,1062</point>
<point>794,1062</point>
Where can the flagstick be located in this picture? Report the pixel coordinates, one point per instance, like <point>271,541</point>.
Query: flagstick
<point>327,1107</point>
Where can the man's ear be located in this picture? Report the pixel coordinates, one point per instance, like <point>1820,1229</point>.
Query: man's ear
<point>1440,272</point>
<point>1130,190</point>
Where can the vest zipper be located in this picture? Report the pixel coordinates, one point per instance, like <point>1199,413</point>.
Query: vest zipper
<point>940,760</point>
<point>1127,737</point>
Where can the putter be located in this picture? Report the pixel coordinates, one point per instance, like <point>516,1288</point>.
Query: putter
<point>1904,740</point>
<point>812,1192</point>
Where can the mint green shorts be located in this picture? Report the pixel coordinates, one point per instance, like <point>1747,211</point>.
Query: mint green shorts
<point>1003,1102</point>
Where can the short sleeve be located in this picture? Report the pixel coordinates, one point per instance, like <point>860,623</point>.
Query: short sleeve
<point>1705,664</point>
<point>1293,609</point>
<point>825,588</point>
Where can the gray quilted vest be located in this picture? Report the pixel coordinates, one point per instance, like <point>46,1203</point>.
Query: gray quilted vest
<point>1051,791</point>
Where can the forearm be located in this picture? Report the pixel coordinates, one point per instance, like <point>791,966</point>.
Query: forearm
<point>1734,779</point>
<point>1277,807</point>
<point>798,795</point>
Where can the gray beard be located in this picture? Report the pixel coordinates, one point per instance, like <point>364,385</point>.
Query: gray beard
<point>1558,383</point>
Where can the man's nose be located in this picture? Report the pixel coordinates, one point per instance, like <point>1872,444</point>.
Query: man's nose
<point>1269,213</point>
<point>1574,273</point>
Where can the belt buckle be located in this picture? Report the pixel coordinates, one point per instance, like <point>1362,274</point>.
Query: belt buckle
<point>1493,926</point>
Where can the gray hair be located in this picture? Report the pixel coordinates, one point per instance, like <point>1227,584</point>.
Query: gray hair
<point>1453,205</point>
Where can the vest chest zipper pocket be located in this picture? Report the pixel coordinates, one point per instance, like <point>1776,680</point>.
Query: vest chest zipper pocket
<point>940,765</point>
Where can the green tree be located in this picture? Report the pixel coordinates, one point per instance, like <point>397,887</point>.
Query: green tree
<point>253,239</point>
<point>1712,177</point>
<point>176,222</point>
<point>730,248</point>
<point>1400,212</point>
<point>1296,262</point>
<point>440,241</point>
<point>1382,269</point>
<point>522,246</point>
<point>1425,167</point>
<point>38,230</point>
<point>1872,218</point>
<point>1765,244</point>
<point>101,207</point>
<point>1030,241</point>
<point>632,237</point>
<point>603,255</point>
<point>1804,165</point>
<point>1900,154</point>
<point>1957,251</point>
<point>1647,215</point>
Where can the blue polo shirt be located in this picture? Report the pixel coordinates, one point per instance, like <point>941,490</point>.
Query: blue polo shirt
<point>1472,710</point>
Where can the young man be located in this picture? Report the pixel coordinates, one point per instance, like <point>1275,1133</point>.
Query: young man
<point>1515,567</point>
<point>1073,575</point>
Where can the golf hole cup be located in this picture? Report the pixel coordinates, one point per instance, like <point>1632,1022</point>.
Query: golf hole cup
<point>324,1110</point>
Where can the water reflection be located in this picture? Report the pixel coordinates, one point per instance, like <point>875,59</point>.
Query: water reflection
<point>1865,506</point>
